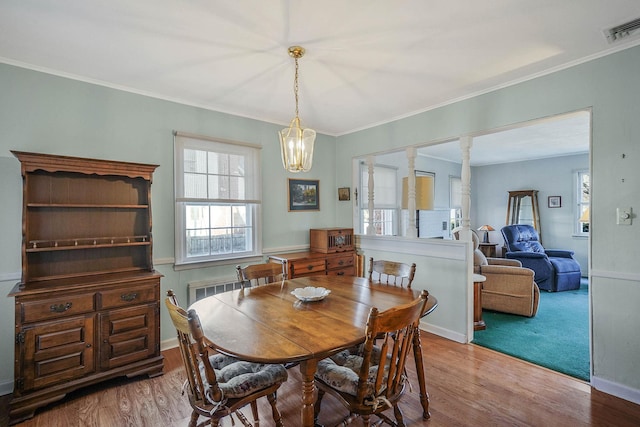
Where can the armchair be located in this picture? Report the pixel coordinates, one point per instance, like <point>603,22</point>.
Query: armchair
<point>508,288</point>
<point>555,269</point>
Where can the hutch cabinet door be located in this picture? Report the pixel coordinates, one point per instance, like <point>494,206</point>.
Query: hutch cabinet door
<point>55,352</point>
<point>128,335</point>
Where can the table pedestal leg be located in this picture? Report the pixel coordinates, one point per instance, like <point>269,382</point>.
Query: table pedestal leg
<point>417,355</point>
<point>478,323</point>
<point>308,371</point>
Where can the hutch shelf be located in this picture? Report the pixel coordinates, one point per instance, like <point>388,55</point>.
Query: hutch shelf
<point>87,307</point>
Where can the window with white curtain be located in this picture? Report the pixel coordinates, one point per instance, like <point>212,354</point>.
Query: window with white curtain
<point>583,197</point>
<point>455,202</point>
<point>385,201</point>
<point>217,196</point>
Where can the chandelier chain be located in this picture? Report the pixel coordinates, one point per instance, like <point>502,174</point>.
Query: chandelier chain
<point>295,86</point>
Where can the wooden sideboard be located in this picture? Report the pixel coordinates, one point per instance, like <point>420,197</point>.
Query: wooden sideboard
<point>299,264</point>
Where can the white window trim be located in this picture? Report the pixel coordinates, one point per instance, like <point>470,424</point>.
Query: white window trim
<point>182,141</point>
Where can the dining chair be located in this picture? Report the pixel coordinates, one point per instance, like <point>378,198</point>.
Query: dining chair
<point>261,274</point>
<point>220,385</point>
<point>395,273</point>
<point>371,378</point>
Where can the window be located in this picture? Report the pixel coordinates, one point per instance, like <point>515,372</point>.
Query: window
<point>385,205</point>
<point>217,199</point>
<point>583,198</point>
<point>455,202</point>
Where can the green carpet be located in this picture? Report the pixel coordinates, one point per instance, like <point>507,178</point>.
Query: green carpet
<point>556,338</point>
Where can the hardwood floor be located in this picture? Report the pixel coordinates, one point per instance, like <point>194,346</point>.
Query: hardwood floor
<point>468,386</point>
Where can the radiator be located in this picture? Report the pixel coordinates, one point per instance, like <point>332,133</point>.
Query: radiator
<point>204,288</point>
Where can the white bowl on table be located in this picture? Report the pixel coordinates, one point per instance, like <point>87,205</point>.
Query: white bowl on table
<point>310,293</point>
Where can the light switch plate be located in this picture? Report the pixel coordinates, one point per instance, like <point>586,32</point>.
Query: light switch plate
<point>624,216</point>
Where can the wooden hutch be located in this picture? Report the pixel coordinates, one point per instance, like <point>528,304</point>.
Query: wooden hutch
<point>332,252</point>
<point>87,308</point>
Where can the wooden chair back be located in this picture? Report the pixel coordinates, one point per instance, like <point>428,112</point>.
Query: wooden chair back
<point>205,393</point>
<point>261,274</point>
<point>391,272</point>
<point>193,351</point>
<point>382,376</point>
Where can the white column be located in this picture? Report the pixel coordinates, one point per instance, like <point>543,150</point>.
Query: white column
<point>466,142</point>
<point>411,191</point>
<point>370,165</point>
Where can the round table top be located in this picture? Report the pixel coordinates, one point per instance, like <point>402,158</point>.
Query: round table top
<point>267,324</point>
<point>478,278</point>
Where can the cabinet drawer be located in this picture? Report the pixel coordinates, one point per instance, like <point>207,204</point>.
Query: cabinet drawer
<point>307,266</point>
<point>57,307</point>
<point>125,296</point>
<point>349,271</point>
<point>340,261</point>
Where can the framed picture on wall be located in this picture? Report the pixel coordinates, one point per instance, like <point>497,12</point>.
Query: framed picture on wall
<point>344,193</point>
<point>554,201</point>
<point>304,195</point>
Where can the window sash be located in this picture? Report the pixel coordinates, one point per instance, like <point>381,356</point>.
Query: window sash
<point>385,186</point>
<point>217,187</point>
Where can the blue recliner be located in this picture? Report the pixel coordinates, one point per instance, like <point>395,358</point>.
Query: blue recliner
<point>555,269</point>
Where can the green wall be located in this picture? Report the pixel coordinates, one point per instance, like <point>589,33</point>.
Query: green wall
<point>611,87</point>
<point>49,114</point>
<point>44,113</point>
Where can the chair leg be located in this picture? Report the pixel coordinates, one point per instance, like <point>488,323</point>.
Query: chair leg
<point>316,408</point>
<point>274,409</point>
<point>193,421</point>
<point>254,411</point>
<point>366,420</point>
<point>398,414</point>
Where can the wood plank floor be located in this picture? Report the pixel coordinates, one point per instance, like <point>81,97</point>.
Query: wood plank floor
<point>468,386</point>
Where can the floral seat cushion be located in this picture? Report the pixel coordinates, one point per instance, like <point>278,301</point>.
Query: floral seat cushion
<point>238,378</point>
<point>341,370</point>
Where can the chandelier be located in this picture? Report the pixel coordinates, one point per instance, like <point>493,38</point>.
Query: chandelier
<point>296,143</point>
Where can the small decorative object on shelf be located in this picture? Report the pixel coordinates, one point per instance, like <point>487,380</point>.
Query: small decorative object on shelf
<point>329,240</point>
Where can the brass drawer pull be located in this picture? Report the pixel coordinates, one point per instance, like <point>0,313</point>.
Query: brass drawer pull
<point>310,267</point>
<point>60,308</point>
<point>129,297</point>
<point>341,262</point>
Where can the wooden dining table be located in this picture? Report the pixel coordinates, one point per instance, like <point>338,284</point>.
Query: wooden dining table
<point>267,324</point>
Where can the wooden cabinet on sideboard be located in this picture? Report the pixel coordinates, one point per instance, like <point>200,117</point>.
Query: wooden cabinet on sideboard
<point>331,252</point>
<point>87,308</point>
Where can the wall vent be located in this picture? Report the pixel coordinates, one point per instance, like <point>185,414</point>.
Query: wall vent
<point>205,288</point>
<point>621,31</point>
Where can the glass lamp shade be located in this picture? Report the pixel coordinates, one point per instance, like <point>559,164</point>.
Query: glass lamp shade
<point>297,147</point>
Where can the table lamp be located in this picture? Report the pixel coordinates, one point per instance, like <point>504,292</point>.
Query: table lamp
<point>486,228</point>
<point>424,196</point>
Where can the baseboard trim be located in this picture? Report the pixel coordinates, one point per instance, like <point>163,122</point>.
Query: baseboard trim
<point>445,333</point>
<point>6,388</point>
<point>168,344</point>
<point>615,389</point>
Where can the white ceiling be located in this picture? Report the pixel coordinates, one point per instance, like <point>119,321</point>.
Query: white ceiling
<point>562,135</point>
<point>367,62</point>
